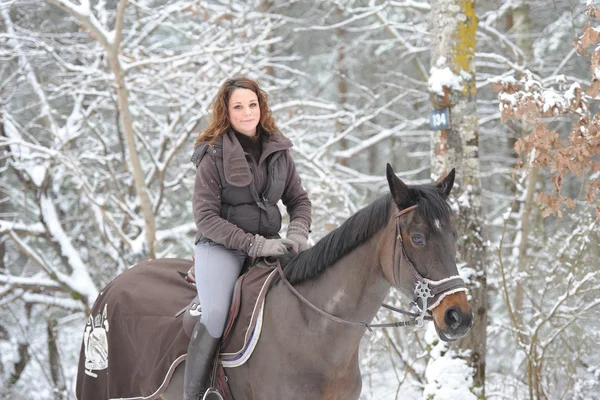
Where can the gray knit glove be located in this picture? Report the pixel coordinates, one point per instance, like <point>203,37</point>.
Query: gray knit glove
<point>298,232</point>
<point>263,247</point>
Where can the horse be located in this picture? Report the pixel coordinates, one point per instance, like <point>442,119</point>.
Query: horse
<point>316,314</point>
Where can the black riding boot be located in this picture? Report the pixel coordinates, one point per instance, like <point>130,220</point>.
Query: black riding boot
<point>199,362</point>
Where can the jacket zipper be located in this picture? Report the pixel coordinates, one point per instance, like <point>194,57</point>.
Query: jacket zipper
<point>268,185</point>
<point>259,203</point>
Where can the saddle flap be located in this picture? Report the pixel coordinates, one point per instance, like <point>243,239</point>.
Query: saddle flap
<point>251,290</point>
<point>234,309</point>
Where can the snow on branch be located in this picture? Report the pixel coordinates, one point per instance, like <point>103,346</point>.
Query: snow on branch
<point>348,21</point>
<point>85,15</point>
<point>29,282</point>
<point>496,35</point>
<point>323,149</point>
<point>79,280</point>
<point>416,5</point>
<point>61,302</point>
<point>22,228</point>
<point>46,109</point>
<point>396,131</point>
<point>176,232</point>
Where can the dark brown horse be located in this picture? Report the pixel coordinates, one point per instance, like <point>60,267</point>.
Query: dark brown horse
<point>303,355</point>
<point>405,239</point>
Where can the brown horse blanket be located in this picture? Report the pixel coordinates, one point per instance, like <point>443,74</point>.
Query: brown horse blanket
<point>133,340</point>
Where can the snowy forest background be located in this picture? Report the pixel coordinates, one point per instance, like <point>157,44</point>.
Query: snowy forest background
<point>101,101</point>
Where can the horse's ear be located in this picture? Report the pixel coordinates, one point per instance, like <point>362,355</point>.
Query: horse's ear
<point>400,192</point>
<point>447,183</point>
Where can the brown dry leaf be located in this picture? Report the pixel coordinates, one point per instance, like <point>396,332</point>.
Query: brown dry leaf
<point>594,89</point>
<point>550,204</point>
<point>498,87</point>
<point>520,146</point>
<point>589,37</point>
<point>224,17</point>
<point>579,154</point>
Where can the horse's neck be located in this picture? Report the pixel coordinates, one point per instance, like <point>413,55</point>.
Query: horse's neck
<point>352,289</point>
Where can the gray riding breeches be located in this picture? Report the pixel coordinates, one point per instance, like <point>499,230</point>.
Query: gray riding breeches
<point>217,269</point>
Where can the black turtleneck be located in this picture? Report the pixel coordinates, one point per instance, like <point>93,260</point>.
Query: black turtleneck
<point>251,144</point>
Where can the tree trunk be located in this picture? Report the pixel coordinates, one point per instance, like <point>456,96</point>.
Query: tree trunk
<point>454,26</point>
<point>111,45</point>
<point>263,7</point>
<point>342,72</point>
<point>56,371</point>
<point>134,158</point>
<point>2,202</point>
<point>519,21</point>
<point>23,350</point>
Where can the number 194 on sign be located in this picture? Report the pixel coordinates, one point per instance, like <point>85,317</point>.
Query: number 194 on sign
<point>439,119</point>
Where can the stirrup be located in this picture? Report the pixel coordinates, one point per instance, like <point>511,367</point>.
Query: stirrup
<point>211,391</point>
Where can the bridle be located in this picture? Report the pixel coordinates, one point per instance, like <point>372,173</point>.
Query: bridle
<point>427,294</point>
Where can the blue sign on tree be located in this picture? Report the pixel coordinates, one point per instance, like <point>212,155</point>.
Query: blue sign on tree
<point>439,119</point>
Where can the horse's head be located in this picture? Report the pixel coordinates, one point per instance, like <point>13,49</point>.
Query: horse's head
<point>417,254</point>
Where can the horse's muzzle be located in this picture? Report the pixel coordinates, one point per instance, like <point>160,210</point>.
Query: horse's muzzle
<point>457,324</point>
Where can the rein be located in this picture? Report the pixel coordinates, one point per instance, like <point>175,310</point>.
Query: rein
<point>333,318</point>
<point>425,289</point>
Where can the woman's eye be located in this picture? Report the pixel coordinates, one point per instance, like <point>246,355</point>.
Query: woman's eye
<point>253,105</point>
<point>237,107</point>
<point>418,240</point>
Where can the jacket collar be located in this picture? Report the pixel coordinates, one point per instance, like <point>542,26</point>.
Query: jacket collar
<point>235,166</point>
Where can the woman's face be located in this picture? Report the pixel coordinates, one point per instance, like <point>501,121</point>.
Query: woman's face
<point>244,112</point>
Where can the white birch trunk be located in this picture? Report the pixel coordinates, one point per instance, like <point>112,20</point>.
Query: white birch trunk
<point>454,26</point>
<point>522,27</point>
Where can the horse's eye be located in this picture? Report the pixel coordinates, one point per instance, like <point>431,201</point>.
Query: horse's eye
<point>418,240</point>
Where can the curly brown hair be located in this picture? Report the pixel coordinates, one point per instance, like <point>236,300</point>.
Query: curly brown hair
<point>219,122</point>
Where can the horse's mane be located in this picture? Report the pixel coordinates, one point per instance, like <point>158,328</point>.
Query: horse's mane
<point>360,227</point>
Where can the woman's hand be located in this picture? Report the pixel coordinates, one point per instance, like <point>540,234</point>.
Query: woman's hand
<point>263,247</point>
<point>300,242</point>
<point>298,233</point>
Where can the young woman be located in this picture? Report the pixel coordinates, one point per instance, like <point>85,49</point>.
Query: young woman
<point>243,168</point>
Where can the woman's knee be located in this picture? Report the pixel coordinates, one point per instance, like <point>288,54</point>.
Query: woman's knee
<point>215,321</point>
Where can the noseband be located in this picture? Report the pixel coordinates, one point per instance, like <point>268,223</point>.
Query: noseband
<point>427,294</point>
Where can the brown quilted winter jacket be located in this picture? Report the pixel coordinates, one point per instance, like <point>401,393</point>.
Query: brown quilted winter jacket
<point>229,208</point>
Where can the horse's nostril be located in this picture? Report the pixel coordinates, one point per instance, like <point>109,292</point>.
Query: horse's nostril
<point>453,318</point>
